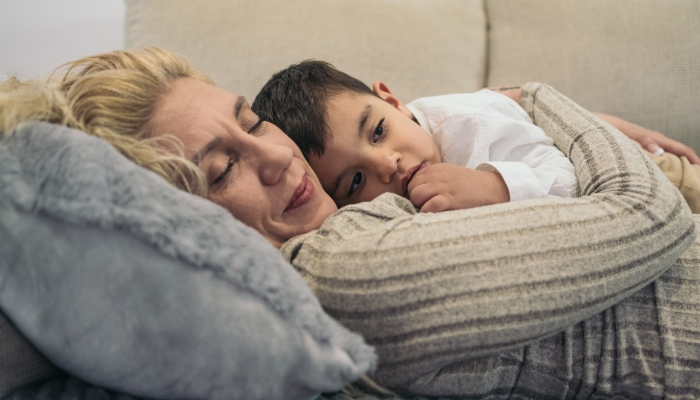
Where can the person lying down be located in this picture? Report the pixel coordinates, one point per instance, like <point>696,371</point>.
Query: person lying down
<point>442,153</point>
<point>545,298</point>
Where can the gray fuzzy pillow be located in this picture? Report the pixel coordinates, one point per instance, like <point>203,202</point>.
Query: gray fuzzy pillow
<point>125,282</point>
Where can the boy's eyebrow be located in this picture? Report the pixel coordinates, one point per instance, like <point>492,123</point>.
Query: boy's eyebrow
<point>363,119</point>
<point>336,184</point>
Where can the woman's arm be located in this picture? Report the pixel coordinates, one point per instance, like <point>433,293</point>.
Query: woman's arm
<point>653,141</point>
<point>431,289</point>
<point>514,92</point>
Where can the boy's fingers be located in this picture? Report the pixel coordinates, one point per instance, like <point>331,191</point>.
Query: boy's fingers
<point>436,204</point>
<point>421,177</point>
<point>419,194</point>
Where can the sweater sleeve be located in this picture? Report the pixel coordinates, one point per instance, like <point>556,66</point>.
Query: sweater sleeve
<point>428,290</point>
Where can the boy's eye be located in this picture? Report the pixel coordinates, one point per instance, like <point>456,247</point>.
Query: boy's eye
<point>255,128</point>
<point>355,184</point>
<point>379,131</point>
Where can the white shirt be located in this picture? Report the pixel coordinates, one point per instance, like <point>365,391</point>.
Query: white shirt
<point>489,131</point>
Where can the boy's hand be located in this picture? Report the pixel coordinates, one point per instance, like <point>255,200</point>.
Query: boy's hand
<point>442,187</point>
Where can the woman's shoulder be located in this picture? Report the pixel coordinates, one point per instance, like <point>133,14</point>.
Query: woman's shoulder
<point>350,222</point>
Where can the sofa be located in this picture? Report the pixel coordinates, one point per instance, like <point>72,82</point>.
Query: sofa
<point>637,59</point>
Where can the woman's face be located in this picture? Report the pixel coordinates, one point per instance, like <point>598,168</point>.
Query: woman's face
<point>253,169</point>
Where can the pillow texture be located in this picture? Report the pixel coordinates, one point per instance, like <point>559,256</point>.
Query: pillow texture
<point>125,282</point>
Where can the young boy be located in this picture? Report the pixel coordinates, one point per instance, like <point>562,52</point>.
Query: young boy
<point>442,153</point>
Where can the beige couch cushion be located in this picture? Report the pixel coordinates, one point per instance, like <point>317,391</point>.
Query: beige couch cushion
<point>419,47</point>
<point>638,59</point>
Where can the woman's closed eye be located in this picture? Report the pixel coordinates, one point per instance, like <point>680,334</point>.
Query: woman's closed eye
<point>355,184</point>
<point>379,131</point>
<point>223,175</point>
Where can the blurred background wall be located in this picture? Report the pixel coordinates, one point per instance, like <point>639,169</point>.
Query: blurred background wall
<point>38,35</point>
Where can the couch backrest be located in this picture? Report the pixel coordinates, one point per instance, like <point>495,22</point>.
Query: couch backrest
<point>418,47</point>
<point>637,59</point>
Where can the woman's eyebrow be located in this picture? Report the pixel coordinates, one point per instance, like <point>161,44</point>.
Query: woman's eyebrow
<point>240,101</point>
<point>205,150</point>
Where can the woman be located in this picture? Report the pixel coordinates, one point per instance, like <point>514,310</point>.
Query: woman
<point>458,293</point>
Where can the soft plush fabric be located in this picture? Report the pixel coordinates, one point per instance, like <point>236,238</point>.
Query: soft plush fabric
<point>418,47</point>
<point>488,302</point>
<point>126,282</point>
<point>637,59</point>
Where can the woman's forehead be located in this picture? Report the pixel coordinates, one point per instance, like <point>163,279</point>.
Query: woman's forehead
<point>190,96</point>
<point>192,110</point>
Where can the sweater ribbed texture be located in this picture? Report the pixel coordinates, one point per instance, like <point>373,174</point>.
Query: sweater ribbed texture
<point>556,298</point>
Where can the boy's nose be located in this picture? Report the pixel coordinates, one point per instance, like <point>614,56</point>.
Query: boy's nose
<point>387,165</point>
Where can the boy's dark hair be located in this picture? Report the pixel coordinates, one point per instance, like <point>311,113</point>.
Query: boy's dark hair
<point>295,100</point>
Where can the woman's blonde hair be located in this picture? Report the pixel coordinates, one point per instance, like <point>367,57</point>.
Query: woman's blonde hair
<point>112,96</point>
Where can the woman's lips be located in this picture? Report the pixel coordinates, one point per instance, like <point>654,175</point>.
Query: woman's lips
<point>302,194</point>
<point>409,176</point>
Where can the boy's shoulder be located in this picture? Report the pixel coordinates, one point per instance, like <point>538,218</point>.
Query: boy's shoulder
<point>475,99</point>
<point>466,108</point>
<point>457,104</point>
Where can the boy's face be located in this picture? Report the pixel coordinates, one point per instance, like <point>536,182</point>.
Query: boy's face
<point>373,147</point>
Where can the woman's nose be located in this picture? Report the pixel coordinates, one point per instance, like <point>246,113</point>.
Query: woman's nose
<point>270,159</point>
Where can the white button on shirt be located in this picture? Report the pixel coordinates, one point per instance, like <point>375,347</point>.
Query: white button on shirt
<point>489,131</point>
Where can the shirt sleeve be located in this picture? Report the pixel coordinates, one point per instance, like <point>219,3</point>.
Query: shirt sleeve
<point>531,166</point>
<point>429,290</point>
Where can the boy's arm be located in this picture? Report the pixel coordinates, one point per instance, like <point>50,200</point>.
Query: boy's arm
<point>530,164</point>
<point>499,137</point>
<point>487,132</point>
<point>508,159</point>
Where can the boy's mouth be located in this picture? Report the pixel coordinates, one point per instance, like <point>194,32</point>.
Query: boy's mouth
<point>409,176</point>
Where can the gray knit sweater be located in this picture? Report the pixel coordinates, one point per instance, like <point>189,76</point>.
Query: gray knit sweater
<point>555,298</point>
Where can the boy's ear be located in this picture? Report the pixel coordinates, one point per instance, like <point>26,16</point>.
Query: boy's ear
<point>382,90</point>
